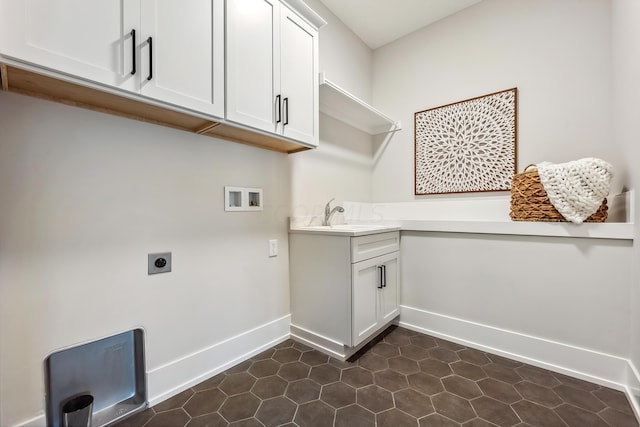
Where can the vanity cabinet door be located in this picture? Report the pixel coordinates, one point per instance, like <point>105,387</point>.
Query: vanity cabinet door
<point>92,40</point>
<point>389,295</point>
<point>374,295</point>
<point>364,287</point>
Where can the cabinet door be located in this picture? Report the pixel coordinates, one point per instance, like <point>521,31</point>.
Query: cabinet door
<point>87,39</point>
<point>390,293</point>
<point>366,282</point>
<point>252,74</point>
<point>299,78</point>
<point>375,295</point>
<point>182,53</point>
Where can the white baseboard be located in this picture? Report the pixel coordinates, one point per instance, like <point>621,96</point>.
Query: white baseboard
<point>610,371</point>
<point>172,378</point>
<point>633,388</point>
<point>600,368</point>
<point>319,342</point>
<point>332,347</point>
<point>38,421</point>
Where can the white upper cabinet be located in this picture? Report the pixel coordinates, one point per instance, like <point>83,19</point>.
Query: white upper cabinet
<point>88,39</point>
<point>244,70</point>
<point>299,78</point>
<point>167,50</point>
<point>272,68</point>
<point>252,85</point>
<point>182,53</point>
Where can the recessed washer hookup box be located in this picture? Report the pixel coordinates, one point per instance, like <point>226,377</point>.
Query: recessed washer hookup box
<point>111,370</point>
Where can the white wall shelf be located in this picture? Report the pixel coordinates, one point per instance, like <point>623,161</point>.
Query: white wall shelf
<point>592,230</point>
<point>452,216</point>
<point>341,105</point>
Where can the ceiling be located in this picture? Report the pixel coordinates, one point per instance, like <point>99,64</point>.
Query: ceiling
<point>378,22</point>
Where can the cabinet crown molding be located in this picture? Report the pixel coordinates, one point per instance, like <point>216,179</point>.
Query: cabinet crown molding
<point>306,12</point>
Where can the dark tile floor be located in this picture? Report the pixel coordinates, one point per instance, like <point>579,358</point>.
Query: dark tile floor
<point>404,379</point>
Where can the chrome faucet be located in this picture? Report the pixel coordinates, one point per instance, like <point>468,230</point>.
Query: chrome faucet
<point>328,212</point>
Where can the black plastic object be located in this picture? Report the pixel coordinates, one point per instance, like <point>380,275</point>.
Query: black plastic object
<point>77,411</point>
<point>285,105</point>
<point>133,50</point>
<point>150,42</point>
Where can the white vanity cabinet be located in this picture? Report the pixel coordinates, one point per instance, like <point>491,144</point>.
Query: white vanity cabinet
<point>344,289</point>
<point>272,69</point>
<point>163,49</point>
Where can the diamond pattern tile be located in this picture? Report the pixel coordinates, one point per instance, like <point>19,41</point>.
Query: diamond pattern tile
<point>402,379</point>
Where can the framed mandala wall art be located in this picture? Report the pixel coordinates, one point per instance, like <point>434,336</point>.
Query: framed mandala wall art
<point>467,146</point>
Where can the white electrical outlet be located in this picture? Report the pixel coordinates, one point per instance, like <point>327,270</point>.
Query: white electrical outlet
<point>273,247</point>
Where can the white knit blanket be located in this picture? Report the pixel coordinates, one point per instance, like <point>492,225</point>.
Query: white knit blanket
<point>576,189</point>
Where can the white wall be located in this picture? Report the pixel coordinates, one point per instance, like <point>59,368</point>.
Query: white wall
<point>626,92</point>
<point>540,292</point>
<point>342,165</point>
<point>558,294</point>
<point>83,198</point>
<point>556,52</point>
<point>558,302</point>
<point>340,168</point>
<point>344,58</point>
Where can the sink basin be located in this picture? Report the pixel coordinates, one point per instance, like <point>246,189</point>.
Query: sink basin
<point>349,229</point>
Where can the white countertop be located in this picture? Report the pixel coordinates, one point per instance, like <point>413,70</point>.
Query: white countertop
<point>345,229</point>
<point>491,216</point>
<point>606,230</point>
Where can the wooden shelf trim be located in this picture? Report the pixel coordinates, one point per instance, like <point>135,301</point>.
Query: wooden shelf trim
<point>31,83</point>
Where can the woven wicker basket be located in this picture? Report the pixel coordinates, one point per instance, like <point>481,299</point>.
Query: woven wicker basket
<point>529,201</point>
